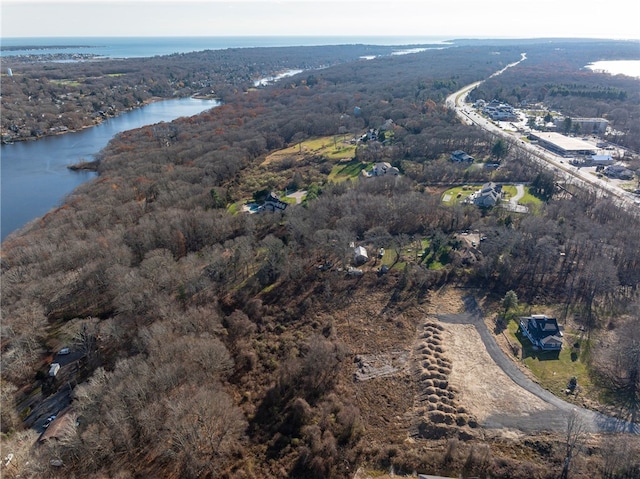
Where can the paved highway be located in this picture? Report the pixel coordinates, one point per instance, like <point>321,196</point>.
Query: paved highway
<point>566,173</point>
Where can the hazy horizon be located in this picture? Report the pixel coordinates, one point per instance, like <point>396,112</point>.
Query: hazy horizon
<point>459,19</point>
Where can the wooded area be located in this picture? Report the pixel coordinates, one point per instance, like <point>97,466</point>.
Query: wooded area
<point>210,336</point>
<point>44,98</point>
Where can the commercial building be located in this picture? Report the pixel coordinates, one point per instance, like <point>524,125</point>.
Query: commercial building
<point>563,145</point>
<point>584,126</point>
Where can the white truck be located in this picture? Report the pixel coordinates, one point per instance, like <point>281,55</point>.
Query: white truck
<point>53,369</point>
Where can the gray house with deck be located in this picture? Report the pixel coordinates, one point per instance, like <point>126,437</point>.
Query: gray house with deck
<point>542,331</point>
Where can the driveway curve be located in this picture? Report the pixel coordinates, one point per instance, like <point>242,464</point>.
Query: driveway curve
<point>554,419</point>
<point>513,205</point>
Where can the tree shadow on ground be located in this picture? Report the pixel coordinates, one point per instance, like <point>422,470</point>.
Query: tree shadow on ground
<point>500,326</point>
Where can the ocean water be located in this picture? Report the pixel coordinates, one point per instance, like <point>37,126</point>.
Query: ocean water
<point>615,67</point>
<point>135,47</point>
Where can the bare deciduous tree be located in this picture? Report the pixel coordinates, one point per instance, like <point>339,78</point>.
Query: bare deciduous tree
<point>621,455</point>
<point>620,368</point>
<point>575,437</point>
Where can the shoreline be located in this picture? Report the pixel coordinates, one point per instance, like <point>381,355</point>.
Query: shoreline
<point>97,121</point>
<point>85,166</point>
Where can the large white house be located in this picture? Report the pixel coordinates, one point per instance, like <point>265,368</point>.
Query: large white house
<point>488,196</point>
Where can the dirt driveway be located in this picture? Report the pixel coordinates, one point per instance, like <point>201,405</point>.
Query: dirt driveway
<point>496,391</point>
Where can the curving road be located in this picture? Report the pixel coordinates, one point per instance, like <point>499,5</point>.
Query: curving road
<point>570,174</point>
<point>556,419</point>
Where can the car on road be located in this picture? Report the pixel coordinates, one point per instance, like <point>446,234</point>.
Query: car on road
<point>47,422</point>
<point>64,351</point>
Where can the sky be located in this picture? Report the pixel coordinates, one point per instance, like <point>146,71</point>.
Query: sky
<point>616,19</point>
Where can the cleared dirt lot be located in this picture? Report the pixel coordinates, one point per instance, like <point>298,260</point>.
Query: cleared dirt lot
<point>435,371</point>
<point>482,386</point>
<point>484,389</point>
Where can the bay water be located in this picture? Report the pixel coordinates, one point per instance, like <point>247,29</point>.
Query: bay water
<point>34,175</point>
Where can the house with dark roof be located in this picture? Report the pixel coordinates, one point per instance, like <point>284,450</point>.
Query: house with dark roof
<point>385,168</point>
<point>460,156</point>
<point>273,203</point>
<point>61,428</point>
<point>618,171</point>
<point>542,331</point>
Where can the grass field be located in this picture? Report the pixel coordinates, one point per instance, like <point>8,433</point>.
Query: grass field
<point>330,147</point>
<point>458,194</point>
<point>552,369</point>
<point>346,170</point>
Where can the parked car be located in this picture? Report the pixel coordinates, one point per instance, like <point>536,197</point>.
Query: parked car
<point>64,351</point>
<point>48,421</point>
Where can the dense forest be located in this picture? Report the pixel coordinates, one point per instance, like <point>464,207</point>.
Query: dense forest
<point>47,97</point>
<point>216,343</point>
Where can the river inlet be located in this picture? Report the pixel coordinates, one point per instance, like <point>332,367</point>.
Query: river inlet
<point>35,176</point>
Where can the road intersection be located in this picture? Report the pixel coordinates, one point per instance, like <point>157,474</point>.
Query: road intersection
<point>565,173</point>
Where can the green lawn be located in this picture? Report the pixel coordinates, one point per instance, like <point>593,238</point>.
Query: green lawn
<point>508,191</point>
<point>458,194</point>
<point>552,369</point>
<point>339,152</point>
<point>348,170</point>
<point>529,199</point>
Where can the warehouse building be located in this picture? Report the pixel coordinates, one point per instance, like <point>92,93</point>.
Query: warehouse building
<point>563,145</point>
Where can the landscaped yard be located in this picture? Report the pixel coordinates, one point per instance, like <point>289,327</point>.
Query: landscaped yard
<point>458,194</point>
<point>346,170</point>
<point>415,252</point>
<point>553,370</point>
